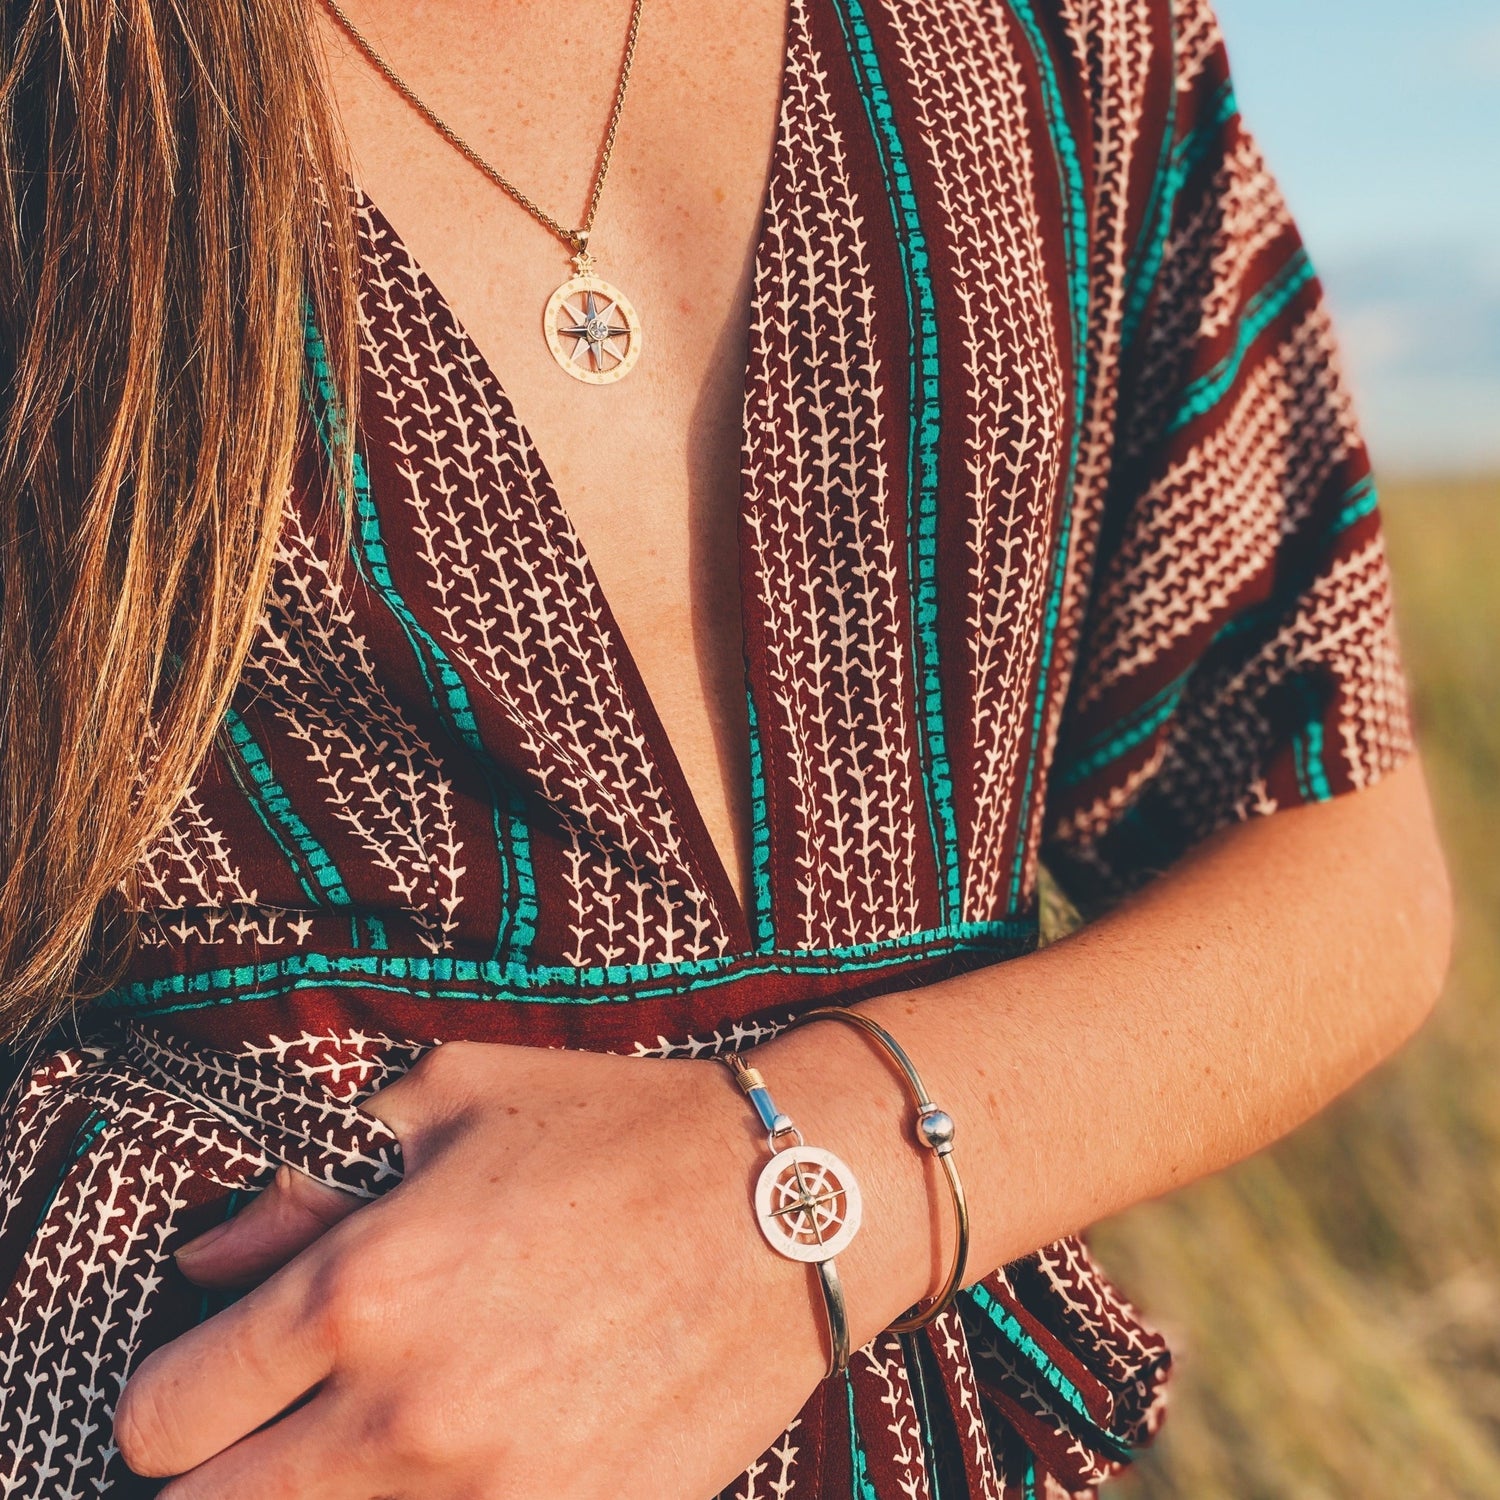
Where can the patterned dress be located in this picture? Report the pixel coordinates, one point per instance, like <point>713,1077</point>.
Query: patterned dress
<point>1057,543</point>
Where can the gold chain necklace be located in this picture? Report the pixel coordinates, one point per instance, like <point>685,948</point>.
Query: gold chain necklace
<point>591,327</point>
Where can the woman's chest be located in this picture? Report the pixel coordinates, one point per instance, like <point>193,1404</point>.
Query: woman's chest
<point>646,470</point>
<point>885,475</point>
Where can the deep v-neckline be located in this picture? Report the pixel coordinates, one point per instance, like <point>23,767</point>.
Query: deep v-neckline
<point>707,862</point>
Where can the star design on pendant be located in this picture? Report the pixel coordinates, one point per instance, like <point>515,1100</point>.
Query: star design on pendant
<point>809,1206</point>
<point>594,332</point>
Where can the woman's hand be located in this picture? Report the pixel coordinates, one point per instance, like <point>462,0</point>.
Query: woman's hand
<point>567,1296</point>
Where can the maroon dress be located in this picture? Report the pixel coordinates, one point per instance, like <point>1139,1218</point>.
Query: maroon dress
<point>1057,542</point>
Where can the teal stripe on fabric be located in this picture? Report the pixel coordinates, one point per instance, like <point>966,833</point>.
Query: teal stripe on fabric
<point>860,1485</point>
<point>522,932</point>
<point>1030,1481</point>
<point>1360,501</point>
<point>1075,221</point>
<point>1299,767</point>
<point>439,978</point>
<point>922,447</point>
<point>1145,258</point>
<point>1260,312</point>
<point>760,836</point>
<point>1307,749</point>
<point>911,1357</point>
<point>378,940</point>
<point>516,930</point>
<point>1124,735</point>
<point>1070,176</point>
<point>1025,1347</point>
<point>312,863</point>
<point>289,852</point>
<point>1312,758</point>
<point>1178,167</point>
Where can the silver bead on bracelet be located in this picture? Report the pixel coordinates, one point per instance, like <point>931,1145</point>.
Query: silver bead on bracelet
<point>934,1129</point>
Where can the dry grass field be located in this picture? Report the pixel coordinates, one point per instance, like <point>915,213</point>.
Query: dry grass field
<point>1335,1303</point>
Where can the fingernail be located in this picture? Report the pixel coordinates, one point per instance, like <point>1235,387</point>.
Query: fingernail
<point>203,1241</point>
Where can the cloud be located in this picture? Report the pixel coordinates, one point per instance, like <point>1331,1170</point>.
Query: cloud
<point>1420,330</point>
<point>1480,52</point>
<point>1380,335</point>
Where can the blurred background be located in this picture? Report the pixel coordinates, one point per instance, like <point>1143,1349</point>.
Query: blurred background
<point>1335,1303</point>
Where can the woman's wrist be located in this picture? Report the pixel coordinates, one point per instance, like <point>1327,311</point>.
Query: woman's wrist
<point>843,1095</point>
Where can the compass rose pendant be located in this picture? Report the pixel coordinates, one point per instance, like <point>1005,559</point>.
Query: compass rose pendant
<point>592,330</point>
<point>808,1203</point>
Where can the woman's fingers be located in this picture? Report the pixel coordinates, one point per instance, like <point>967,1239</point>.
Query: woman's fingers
<point>430,1099</point>
<point>227,1377</point>
<point>212,1390</point>
<point>281,1222</point>
<point>307,1454</point>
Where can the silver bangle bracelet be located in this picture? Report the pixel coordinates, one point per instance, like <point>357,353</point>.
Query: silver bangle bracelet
<point>933,1130</point>
<point>807,1203</point>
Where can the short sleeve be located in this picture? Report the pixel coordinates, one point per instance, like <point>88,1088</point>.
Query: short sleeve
<point>1238,652</point>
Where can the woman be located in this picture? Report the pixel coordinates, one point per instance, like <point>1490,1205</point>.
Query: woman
<point>973,484</point>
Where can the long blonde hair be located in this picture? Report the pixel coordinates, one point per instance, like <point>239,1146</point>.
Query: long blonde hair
<point>161,166</point>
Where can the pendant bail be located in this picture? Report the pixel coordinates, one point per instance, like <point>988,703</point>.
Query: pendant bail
<point>583,262</point>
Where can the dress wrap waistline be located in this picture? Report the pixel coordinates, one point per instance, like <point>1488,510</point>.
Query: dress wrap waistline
<point>114,1151</point>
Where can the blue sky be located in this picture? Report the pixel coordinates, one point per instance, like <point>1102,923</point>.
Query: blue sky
<point>1382,121</point>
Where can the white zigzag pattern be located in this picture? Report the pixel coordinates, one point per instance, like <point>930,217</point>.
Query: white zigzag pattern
<point>1100,1317</point>
<point>1198,39</point>
<point>1250,213</point>
<point>1020,1383</point>
<point>69,1353</point>
<point>191,890</point>
<point>816,491</point>
<point>965,77</point>
<point>1199,292</point>
<point>778,1484</point>
<point>311,1123</point>
<point>1079,829</point>
<point>522,613</point>
<point>381,781</point>
<point>951,1345</point>
<point>1344,622</point>
<point>1208,766</point>
<point>733,1038</point>
<point>74,1311</point>
<point>169,1122</point>
<point>1112,39</point>
<point>885,1359</point>
<point>1215,519</point>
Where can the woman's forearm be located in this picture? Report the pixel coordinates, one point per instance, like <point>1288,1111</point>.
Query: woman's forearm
<point>1195,1023</point>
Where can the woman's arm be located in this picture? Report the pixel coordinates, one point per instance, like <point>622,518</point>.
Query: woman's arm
<point>1199,1021</point>
<point>587,1217</point>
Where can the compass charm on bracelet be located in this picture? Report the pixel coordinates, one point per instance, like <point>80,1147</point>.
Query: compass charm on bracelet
<point>808,1203</point>
<point>591,327</point>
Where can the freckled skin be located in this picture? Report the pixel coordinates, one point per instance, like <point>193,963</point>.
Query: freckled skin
<point>1099,1109</point>
<point>1191,1025</point>
<point>658,454</point>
